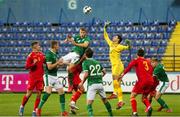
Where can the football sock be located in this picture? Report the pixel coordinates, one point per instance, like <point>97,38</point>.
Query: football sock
<point>133,104</point>
<point>120,94</point>
<point>150,101</point>
<point>43,100</point>
<point>90,110</point>
<point>76,96</point>
<point>118,90</point>
<point>70,78</point>
<point>62,102</point>
<point>36,103</point>
<point>24,101</point>
<point>162,103</point>
<point>109,109</point>
<point>146,102</point>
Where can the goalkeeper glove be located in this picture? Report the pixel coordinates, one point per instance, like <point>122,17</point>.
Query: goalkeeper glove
<point>128,42</point>
<point>107,23</point>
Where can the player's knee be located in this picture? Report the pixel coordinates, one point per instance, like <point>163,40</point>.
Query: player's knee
<point>115,83</point>
<point>115,77</point>
<point>81,89</point>
<point>132,98</point>
<point>158,95</point>
<point>104,100</point>
<point>60,91</point>
<point>29,93</point>
<point>39,94</point>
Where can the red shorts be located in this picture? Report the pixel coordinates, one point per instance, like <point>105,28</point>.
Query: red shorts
<point>142,87</point>
<point>156,83</point>
<point>35,83</point>
<point>76,73</point>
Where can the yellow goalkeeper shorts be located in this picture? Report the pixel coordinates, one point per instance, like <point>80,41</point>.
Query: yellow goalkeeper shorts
<point>117,69</point>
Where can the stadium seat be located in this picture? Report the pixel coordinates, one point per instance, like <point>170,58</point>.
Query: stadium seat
<point>17,38</point>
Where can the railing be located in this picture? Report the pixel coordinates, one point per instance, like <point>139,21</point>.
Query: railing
<point>171,58</point>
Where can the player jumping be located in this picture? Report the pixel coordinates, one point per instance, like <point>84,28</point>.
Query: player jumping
<point>160,74</point>
<point>93,72</point>
<point>73,59</point>
<point>143,85</point>
<point>51,80</point>
<point>117,66</point>
<point>34,63</point>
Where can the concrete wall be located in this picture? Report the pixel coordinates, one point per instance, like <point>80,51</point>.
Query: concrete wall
<point>49,10</point>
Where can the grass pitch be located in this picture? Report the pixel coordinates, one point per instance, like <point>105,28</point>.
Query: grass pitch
<point>10,102</point>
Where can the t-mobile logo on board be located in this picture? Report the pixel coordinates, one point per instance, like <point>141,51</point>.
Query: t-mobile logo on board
<point>7,80</point>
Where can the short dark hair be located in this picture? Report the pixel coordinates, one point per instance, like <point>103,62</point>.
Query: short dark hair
<point>34,43</point>
<point>120,38</point>
<point>83,29</point>
<point>154,59</point>
<point>53,43</point>
<point>89,52</point>
<point>140,52</point>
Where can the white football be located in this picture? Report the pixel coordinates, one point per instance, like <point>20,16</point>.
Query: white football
<point>87,10</point>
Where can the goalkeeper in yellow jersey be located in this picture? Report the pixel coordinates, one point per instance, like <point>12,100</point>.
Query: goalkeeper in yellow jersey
<point>115,49</point>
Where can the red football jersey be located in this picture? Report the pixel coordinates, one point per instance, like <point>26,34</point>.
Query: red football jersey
<point>36,69</point>
<point>143,69</point>
<point>151,69</point>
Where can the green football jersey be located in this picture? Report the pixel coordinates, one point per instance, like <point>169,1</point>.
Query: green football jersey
<point>160,73</point>
<point>94,70</point>
<point>77,49</point>
<point>51,57</point>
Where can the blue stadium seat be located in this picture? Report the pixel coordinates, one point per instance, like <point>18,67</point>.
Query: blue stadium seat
<point>15,40</point>
<point>161,50</point>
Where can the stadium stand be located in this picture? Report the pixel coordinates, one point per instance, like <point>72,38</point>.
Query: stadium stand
<point>15,39</point>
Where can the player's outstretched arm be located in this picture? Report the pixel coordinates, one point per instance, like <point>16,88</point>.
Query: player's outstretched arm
<point>131,65</point>
<point>106,36</point>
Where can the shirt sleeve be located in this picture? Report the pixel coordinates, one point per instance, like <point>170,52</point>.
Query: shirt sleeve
<point>131,64</point>
<point>74,38</point>
<point>106,37</point>
<point>156,72</point>
<point>29,62</point>
<point>84,67</point>
<point>48,58</point>
<point>87,39</point>
<point>122,47</point>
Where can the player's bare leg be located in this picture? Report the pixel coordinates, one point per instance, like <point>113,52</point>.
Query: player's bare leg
<point>48,90</point>
<point>24,101</point>
<point>62,102</point>
<point>134,104</point>
<point>108,106</point>
<point>162,103</point>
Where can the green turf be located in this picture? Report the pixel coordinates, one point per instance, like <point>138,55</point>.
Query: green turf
<point>9,105</point>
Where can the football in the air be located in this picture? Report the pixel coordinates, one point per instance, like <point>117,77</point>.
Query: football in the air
<point>87,10</point>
